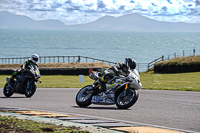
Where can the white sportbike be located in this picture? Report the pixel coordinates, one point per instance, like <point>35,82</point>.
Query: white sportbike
<point>121,90</point>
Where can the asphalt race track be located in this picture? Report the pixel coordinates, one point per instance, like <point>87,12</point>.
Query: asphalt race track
<point>173,109</point>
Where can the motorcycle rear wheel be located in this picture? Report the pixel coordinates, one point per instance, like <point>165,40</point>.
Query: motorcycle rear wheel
<point>126,99</point>
<point>7,91</point>
<point>83,99</point>
<point>30,89</point>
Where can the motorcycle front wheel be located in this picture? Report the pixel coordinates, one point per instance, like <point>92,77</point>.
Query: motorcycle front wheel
<point>30,88</point>
<point>83,99</point>
<point>126,98</point>
<point>7,91</point>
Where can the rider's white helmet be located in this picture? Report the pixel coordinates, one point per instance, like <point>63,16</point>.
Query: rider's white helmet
<point>34,58</point>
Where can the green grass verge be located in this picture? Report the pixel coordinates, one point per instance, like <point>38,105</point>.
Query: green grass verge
<point>178,81</point>
<point>56,81</point>
<point>150,80</point>
<point>9,124</point>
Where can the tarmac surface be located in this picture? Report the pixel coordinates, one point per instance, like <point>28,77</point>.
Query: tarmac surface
<point>155,111</point>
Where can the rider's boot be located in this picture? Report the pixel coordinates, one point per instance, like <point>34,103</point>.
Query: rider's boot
<point>103,88</point>
<point>96,89</point>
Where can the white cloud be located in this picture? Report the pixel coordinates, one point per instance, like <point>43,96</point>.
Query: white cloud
<point>83,11</point>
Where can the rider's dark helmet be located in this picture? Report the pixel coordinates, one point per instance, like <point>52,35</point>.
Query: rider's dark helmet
<point>131,63</point>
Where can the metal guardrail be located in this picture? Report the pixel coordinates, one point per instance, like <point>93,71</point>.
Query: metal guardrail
<point>151,64</point>
<point>175,55</point>
<point>54,59</point>
<point>141,67</point>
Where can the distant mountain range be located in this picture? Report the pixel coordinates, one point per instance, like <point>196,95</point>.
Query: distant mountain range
<point>131,22</point>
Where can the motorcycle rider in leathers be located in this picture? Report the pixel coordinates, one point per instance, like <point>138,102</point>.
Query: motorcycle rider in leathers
<point>31,62</point>
<point>117,69</point>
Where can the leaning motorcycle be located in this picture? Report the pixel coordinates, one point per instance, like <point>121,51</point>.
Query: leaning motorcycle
<point>25,83</point>
<point>121,90</point>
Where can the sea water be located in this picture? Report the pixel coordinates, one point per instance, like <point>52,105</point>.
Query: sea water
<point>144,47</point>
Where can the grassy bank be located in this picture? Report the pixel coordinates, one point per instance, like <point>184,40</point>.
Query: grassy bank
<point>58,65</point>
<point>189,60</point>
<point>9,124</point>
<point>179,65</point>
<point>150,80</point>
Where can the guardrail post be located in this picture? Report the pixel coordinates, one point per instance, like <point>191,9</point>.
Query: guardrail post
<point>78,61</point>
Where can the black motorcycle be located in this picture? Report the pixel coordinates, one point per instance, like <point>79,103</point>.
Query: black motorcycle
<point>25,83</point>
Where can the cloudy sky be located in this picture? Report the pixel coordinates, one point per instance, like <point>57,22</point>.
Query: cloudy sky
<point>84,11</point>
